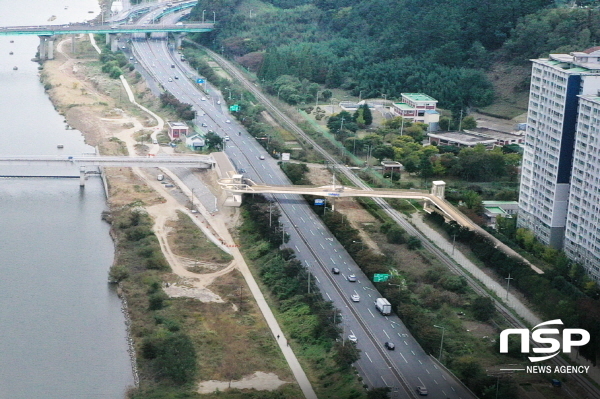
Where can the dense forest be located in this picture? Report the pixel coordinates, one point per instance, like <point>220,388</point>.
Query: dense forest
<point>379,47</point>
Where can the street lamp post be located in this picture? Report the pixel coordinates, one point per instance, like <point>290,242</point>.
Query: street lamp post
<point>442,341</point>
<point>214,17</point>
<point>203,11</point>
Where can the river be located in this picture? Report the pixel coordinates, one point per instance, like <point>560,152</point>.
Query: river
<point>63,333</point>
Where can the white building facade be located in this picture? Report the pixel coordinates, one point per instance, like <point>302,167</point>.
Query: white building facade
<point>582,234</point>
<point>552,147</point>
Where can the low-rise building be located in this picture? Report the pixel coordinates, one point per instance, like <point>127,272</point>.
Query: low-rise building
<point>417,107</point>
<point>493,209</point>
<point>177,130</point>
<point>195,142</point>
<point>470,138</point>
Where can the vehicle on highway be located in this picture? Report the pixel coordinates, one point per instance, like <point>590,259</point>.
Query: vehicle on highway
<point>355,298</point>
<point>203,99</point>
<point>242,170</point>
<point>169,185</point>
<point>226,138</point>
<point>227,121</point>
<point>204,125</point>
<point>219,102</point>
<point>154,141</point>
<point>390,346</point>
<point>352,338</point>
<point>335,270</point>
<point>352,278</point>
<point>170,80</point>
<point>130,58</point>
<point>176,77</point>
<point>262,157</point>
<point>172,65</point>
<point>383,306</point>
<point>422,391</point>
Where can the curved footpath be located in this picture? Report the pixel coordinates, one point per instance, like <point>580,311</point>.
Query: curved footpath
<point>219,227</point>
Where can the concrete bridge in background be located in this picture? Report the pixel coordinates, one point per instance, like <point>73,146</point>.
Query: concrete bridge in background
<point>47,33</point>
<point>85,161</point>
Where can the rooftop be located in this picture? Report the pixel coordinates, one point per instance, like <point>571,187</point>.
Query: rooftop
<point>403,106</point>
<point>462,138</point>
<point>418,97</point>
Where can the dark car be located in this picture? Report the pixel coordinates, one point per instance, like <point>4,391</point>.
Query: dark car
<point>422,391</point>
<point>390,345</point>
<point>335,270</point>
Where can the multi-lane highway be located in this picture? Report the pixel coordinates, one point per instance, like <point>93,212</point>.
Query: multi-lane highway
<point>404,368</point>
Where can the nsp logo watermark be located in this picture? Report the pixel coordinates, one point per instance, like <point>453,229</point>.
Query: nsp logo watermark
<point>570,337</point>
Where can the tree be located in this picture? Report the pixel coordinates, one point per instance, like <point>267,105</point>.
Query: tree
<point>383,151</point>
<point>367,115</point>
<point>469,123</point>
<point>483,308</point>
<point>214,141</point>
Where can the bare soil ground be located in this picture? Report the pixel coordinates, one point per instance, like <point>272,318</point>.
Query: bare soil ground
<point>95,105</point>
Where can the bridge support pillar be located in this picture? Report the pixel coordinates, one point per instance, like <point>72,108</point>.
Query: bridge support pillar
<point>50,46</point>
<point>178,40</point>
<point>46,48</point>
<point>114,42</point>
<point>108,38</point>
<point>82,176</point>
<point>73,43</point>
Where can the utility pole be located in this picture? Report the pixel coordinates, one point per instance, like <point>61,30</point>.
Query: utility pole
<point>460,121</point>
<point>508,284</point>
<point>453,242</point>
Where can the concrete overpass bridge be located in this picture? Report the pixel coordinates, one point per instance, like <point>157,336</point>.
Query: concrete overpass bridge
<point>47,33</point>
<point>432,201</point>
<point>86,161</point>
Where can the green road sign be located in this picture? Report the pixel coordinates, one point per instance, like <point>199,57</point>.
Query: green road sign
<point>378,278</point>
<point>234,108</point>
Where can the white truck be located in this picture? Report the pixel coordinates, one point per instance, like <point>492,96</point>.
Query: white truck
<point>383,306</point>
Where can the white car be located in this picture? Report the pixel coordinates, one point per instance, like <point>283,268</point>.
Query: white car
<point>170,80</point>
<point>227,121</point>
<point>203,99</point>
<point>226,138</point>
<point>355,297</point>
<point>352,338</point>
<point>219,102</point>
<point>262,157</point>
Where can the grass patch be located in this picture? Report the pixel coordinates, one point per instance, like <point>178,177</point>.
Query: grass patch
<point>180,341</point>
<point>186,239</point>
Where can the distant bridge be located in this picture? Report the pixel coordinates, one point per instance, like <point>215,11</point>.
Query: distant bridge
<point>198,161</point>
<point>47,33</point>
<point>51,30</point>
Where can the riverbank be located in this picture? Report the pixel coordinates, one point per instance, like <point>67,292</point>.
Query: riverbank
<point>95,105</point>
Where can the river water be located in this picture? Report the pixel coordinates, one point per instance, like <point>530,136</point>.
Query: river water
<point>62,332</point>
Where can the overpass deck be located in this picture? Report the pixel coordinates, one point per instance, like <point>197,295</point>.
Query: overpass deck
<point>240,185</point>
<point>198,161</point>
<point>51,30</point>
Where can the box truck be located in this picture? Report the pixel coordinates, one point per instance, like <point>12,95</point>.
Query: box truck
<point>383,306</point>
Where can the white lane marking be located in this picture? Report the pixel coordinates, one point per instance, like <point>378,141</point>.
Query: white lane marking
<point>436,383</point>
<point>405,343</point>
<point>369,357</point>
<point>452,388</point>
<point>340,257</point>
<point>318,281</point>
<point>392,326</point>
<point>434,365</point>
<point>444,377</point>
<point>344,262</point>
<point>386,334</point>
<point>369,295</point>
<point>427,371</point>
<point>413,352</point>
<point>419,360</point>
<point>321,245</point>
<point>419,378</point>
<point>403,357</point>
<point>335,249</point>
<point>270,176</point>
<point>384,381</point>
<point>328,296</point>
<point>329,258</point>
<point>297,249</point>
<point>293,207</point>
<point>312,232</point>
<point>371,312</point>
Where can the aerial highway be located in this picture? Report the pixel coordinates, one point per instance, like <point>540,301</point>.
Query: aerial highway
<point>402,369</point>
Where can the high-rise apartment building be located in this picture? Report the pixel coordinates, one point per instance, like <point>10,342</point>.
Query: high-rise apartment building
<point>557,193</point>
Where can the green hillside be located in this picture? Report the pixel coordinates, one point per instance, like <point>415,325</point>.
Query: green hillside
<point>445,48</point>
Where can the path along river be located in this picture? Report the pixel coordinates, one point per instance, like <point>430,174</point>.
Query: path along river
<point>62,332</point>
